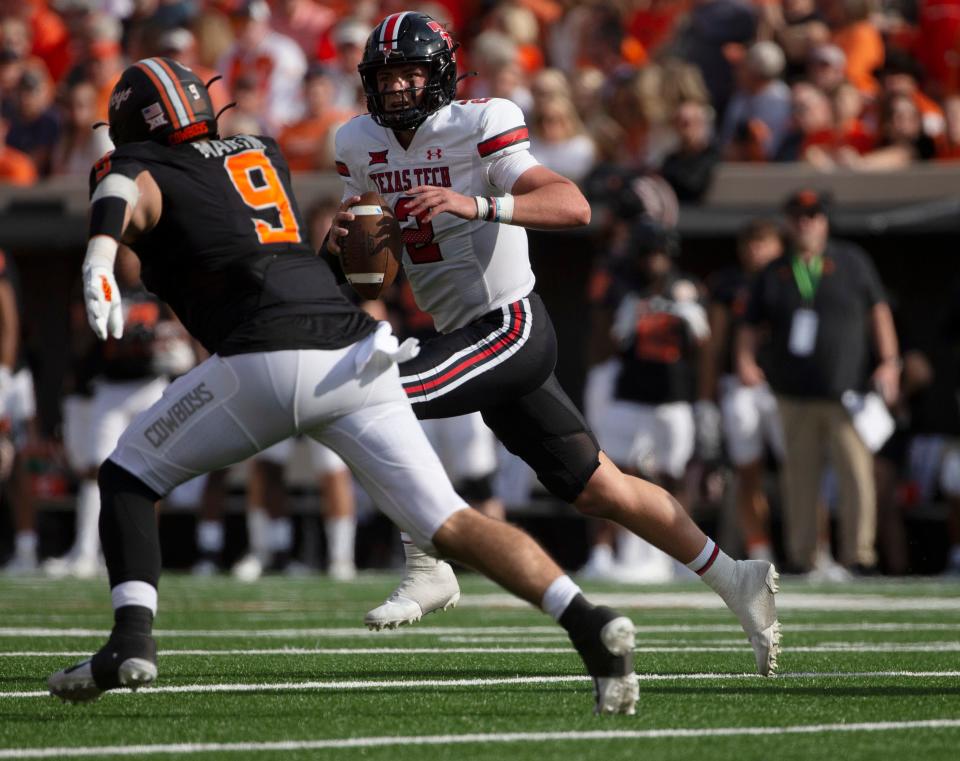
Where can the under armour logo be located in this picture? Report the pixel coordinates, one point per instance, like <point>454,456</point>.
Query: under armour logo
<point>434,153</point>
<point>378,157</point>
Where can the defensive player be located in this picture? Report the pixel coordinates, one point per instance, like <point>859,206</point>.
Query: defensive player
<point>463,185</point>
<point>220,240</point>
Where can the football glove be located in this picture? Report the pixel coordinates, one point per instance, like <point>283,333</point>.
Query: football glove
<point>102,297</point>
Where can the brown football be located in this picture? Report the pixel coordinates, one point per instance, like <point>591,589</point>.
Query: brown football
<point>371,250</point>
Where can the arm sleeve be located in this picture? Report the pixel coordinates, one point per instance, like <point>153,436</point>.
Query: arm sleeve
<point>504,144</point>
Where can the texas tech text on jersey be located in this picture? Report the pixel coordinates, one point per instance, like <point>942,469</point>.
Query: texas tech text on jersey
<point>459,269</point>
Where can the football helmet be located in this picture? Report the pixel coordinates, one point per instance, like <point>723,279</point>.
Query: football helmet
<point>161,100</point>
<point>409,38</point>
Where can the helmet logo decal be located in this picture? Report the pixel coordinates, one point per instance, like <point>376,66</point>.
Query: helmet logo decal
<point>378,157</point>
<point>438,28</point>
<point>119,97</point>
<point>154,116</point>
<point>390,30</point>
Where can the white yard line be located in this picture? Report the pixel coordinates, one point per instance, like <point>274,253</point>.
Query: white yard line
<point>494,681</point>
<point>506,737</point>
<point>710,601</point>
<point>825,647</point>
<point>353,632</point>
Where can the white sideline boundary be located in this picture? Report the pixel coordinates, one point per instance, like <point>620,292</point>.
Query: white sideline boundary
<point>353,632</point>
<point>380,684</point>
<point>506,737</point>
<point>826,647</point>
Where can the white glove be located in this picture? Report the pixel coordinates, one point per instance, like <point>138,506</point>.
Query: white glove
<point>102,296</point>
<point>707,419</point>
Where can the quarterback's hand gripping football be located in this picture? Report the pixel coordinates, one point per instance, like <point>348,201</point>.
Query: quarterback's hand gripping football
<point>338,228</point>
<point>102,297</point>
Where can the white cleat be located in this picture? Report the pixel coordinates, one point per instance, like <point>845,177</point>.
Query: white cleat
<point>21,565</point>
<point>429,585</point>
<point>249,568</point>
<point>618,694</point>
<point>342,571</point>
<point>753,601</point>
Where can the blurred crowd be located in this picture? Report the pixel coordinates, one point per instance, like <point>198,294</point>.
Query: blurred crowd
<point>672,86</point>
<point>700,384</point>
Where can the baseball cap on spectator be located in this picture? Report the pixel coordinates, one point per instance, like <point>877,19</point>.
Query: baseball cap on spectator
<point>765,59</point>
<point>829,55</point>
<point>806,202</point>
<point>351,32</point>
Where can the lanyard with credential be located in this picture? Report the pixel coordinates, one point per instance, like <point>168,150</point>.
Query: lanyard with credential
<point>807,276</point>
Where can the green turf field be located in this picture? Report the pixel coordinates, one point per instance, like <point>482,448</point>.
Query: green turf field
<point>281,670</point>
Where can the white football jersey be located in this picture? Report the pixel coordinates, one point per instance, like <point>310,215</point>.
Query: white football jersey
<point>458,269</point>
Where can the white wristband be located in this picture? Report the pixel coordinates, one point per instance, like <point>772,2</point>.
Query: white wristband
<point>504,209</point>
<point>483,207</point>
<point>101,252</point>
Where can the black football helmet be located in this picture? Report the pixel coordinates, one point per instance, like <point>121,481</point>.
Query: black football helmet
<point>161,100</point>
<point>409,38</point>
<point>648,236</point>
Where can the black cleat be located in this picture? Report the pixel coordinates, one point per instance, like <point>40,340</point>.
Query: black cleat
<point>606,646</point>
<point>125,661</point>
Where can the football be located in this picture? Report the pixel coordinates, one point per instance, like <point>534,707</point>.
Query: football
<point>371,250</point>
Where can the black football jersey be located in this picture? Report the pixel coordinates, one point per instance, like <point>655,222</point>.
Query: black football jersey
<point>230,253</point>
<point>658,360</point>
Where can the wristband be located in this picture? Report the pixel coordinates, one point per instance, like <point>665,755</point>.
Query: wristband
<point>504,209</point>
<point>483,207</point>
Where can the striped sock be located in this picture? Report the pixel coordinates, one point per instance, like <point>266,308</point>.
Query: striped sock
<point>708,555</point>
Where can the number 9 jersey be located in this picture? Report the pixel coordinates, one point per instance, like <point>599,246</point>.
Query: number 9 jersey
<point>230,253</point>
<point>458,269</point>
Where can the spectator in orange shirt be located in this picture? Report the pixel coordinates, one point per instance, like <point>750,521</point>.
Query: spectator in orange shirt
<point>50,41</point>
<point>308,143</point>
<point>902,135</point>
<point>858,38</point>
<point>901,75</point>
<point>16,168</point>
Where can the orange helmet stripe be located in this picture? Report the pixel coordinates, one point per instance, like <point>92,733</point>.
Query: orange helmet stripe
<point>168,106</point>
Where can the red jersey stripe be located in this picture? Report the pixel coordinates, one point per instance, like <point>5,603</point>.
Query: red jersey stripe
<point>503,140</point>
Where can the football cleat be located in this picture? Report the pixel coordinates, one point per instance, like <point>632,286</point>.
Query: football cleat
<point>125,661</point>
<point>753,601</point>
<point>607,652</point>
<point>249,568</point>
<point>429,585</point>
<point>342,570</point>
